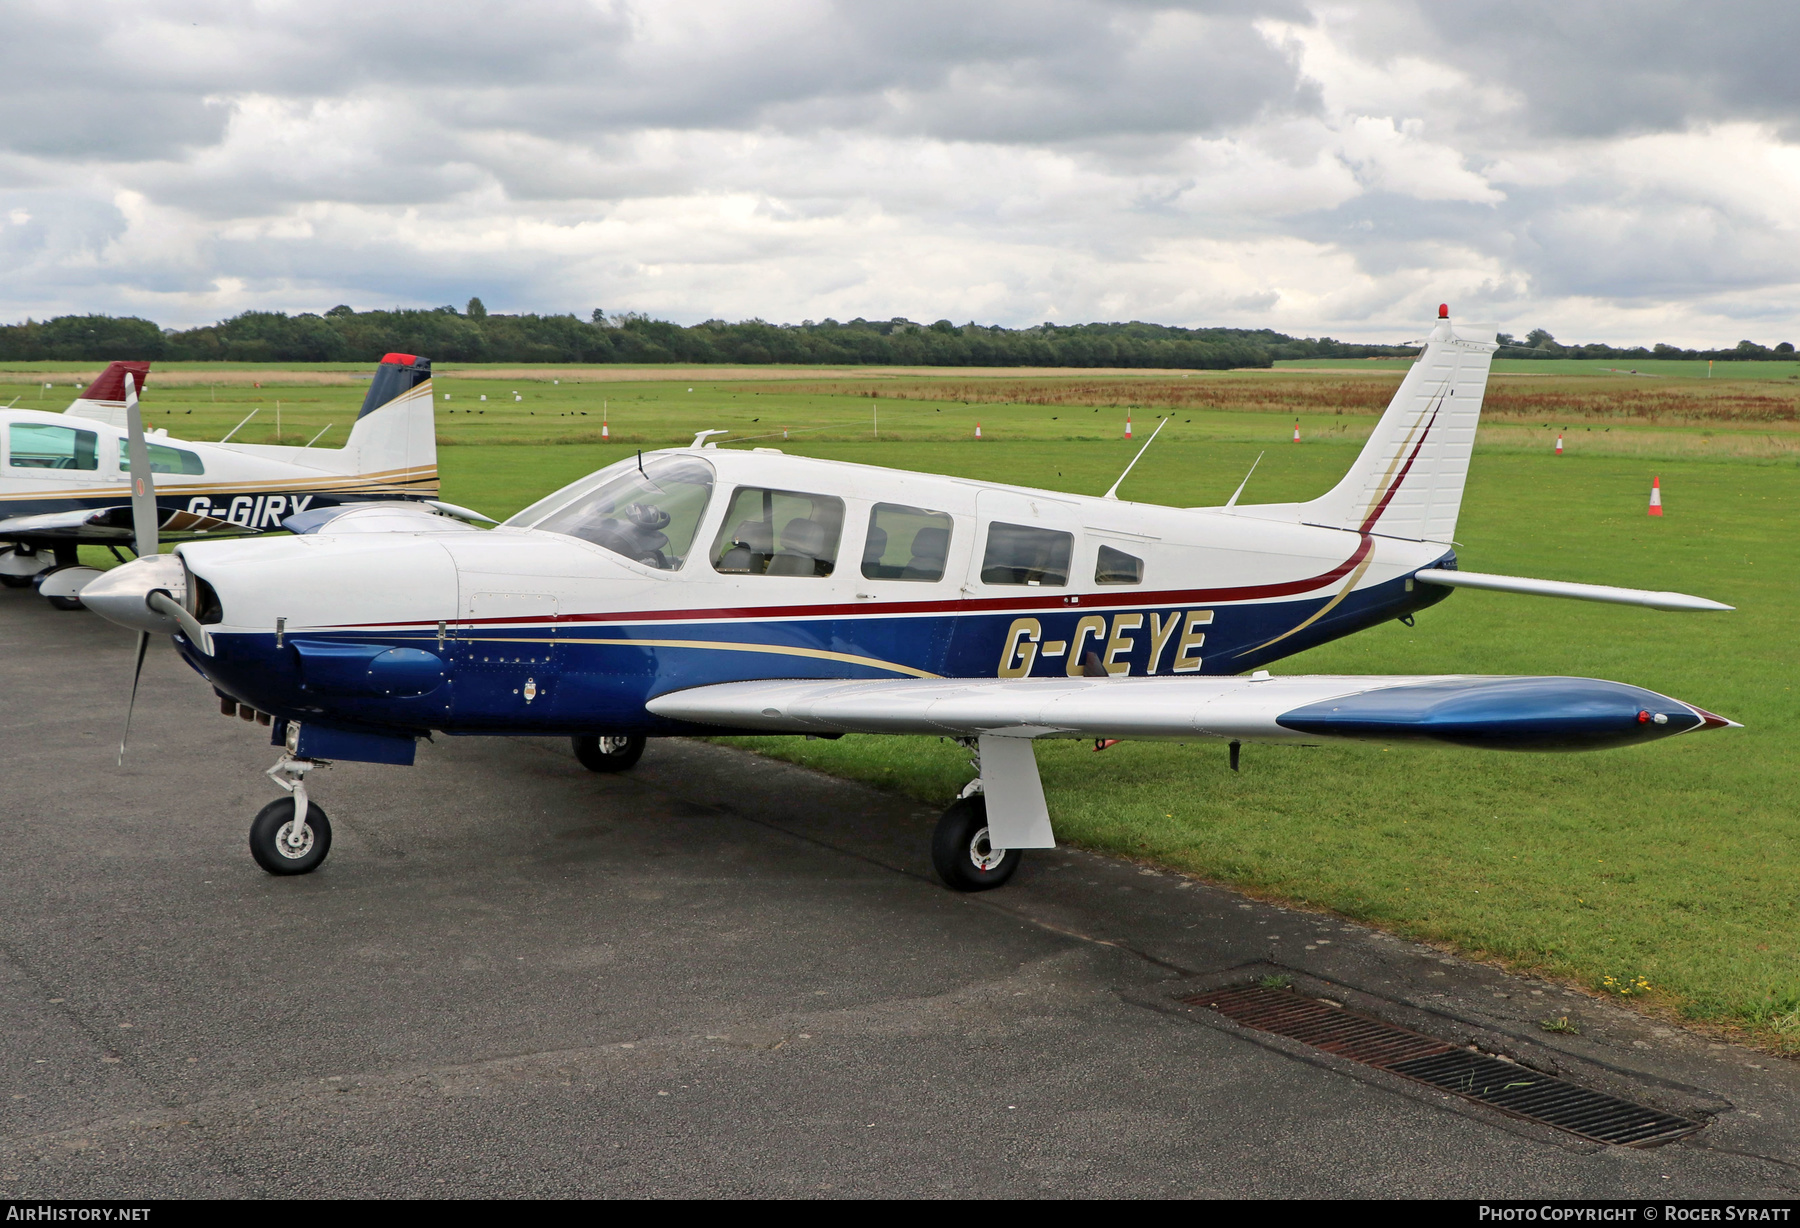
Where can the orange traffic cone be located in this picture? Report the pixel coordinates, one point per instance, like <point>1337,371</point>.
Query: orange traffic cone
<point>1128,426</point>
<point>1559,443</point>
<point>1296,430</point>
<point>978,430</point>
<point>1656,496</point>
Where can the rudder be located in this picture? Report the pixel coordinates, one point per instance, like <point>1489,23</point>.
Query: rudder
<point>1408,480</point>
<point>395,435</point>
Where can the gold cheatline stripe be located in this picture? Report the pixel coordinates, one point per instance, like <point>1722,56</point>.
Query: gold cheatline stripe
<point>1394,463</point>
<point>371,483</point>
<point>1324,609</point>
<point>818,654</point>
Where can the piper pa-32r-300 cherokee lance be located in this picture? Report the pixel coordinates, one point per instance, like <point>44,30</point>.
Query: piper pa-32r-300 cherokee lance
<point>700,591</point>
<point>65,479</point>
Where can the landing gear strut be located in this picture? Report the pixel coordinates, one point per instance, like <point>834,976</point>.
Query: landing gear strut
<point>600,754</point>
<point>279,843</point>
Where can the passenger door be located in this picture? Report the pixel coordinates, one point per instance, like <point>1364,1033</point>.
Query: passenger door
<point>1022,590</point>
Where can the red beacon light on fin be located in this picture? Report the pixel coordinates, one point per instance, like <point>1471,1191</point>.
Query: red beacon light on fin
<point>1443,311</point>
<point>405,360</point>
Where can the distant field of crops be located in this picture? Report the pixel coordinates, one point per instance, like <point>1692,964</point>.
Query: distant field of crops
<point>661,406</point>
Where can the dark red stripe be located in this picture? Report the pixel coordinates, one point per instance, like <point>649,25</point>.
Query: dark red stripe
<point>1405,469</point>
<point>1050,601</point>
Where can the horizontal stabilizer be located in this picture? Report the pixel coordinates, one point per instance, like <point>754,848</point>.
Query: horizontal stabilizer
<point>1561,588</point>
<point>1496,712</point>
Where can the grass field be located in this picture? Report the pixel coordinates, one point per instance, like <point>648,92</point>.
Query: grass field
<point>1677,862</point>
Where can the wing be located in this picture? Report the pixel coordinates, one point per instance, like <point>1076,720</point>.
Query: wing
<point>104,524</point>
<point>1500,713</point>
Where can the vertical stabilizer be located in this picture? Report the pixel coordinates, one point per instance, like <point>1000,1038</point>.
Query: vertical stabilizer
<point>1408,481</point>
<point>395,435</point>
<point>104,399</point>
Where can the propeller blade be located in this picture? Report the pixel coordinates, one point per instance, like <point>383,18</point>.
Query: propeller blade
<point>144,520</point>
<point>136,673</point>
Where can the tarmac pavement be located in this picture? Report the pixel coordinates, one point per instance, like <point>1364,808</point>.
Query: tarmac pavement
<point>715,975</point>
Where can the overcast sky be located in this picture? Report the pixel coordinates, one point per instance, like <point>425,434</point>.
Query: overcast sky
<point>1608,170</point>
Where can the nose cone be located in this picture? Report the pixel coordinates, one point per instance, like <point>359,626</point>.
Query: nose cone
<point>118,596</point>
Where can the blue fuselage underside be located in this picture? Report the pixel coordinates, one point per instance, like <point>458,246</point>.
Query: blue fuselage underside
<point>572,676</point>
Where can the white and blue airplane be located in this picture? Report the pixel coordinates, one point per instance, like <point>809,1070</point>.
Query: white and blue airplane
<point>65,478</point>
<point>702,590</point>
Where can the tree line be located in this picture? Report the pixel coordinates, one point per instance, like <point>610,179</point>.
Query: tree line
<point>475,335</point>
<point>1539,343</point>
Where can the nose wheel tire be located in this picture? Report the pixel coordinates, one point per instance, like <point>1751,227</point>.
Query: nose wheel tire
<point>279,849</point>
<point>599,754</point>
<point>65,603</point>
<point>962,850</point>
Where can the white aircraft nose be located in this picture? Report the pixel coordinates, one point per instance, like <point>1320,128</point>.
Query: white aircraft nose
<point>118,596</point>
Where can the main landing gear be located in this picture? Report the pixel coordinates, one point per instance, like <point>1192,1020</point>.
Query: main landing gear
<point>279,843</point>
<point>963,852</point>
<point>601,754</point>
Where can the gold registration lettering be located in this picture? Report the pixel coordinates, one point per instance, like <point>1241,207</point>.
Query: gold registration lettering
<point>1121,643</point>
<point>1020,653</point>
<point>1162,630</point>
<point>1094,625</point>
<point>1191,639</point>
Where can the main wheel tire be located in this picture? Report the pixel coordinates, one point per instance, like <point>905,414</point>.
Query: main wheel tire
<point>269,838</point>
<point>599,754</point>
<point>964,855</point>
<point>11,581</point>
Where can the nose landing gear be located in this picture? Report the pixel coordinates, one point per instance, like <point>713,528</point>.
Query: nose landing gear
<point>281,841</point>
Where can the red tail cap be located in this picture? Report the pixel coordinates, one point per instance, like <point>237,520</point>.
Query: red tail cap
<point>111,384</point>
<point>405,360</point>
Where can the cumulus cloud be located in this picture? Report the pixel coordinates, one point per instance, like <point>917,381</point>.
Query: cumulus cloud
<point>1611,173</point>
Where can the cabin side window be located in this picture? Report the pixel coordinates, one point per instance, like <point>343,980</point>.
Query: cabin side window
<point>906,543</point>
<point>36,446</point>
<point>647,513</point>
<point>1117,567</point>
<point>779,533</point>
<point>163,459</point>
<point>1020,554</point>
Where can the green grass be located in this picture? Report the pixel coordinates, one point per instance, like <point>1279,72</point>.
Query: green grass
<point>1676,862</point>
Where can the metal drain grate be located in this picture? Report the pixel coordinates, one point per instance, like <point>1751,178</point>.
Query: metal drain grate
<point>1426,1059</point>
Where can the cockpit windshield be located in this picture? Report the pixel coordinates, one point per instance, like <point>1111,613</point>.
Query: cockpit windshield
<point>648,514</point>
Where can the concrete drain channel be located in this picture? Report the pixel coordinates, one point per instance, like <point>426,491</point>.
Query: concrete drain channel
<point>1506,1086</point>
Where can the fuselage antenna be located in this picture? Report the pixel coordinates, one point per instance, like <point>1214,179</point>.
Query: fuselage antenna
<point>1232,502</point>
<point>1114,492</point>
